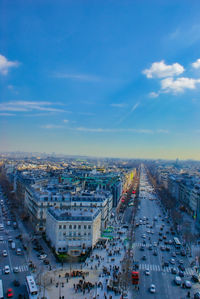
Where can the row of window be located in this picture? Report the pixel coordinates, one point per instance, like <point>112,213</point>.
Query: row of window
<point>75,226</point>
<point>76,234</point>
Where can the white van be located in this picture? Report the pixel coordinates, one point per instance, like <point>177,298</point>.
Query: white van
<point>13,245</point>
<point>19,251</point>
<point>177,280</point>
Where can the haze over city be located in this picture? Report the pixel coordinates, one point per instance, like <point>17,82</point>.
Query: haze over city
<point>103,78</point>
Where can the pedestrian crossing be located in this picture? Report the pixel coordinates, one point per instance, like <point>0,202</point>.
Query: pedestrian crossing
<point>3,242</point>
<point>188,271</point>
<point>139,244</point>
<point>22,268</point>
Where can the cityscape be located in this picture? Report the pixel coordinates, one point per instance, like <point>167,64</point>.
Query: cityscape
<point>100,149</point>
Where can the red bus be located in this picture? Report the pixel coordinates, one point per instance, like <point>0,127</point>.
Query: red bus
<point>135,277</point>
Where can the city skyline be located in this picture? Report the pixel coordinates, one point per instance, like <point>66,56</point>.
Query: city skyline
<point>103,79</point>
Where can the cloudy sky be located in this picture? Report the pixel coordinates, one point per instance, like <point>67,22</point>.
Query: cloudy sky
<point>102,78</point>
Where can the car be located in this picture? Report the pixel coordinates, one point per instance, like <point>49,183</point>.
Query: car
<point>155,253</point>
<point>150,247</point>
<point>164,237</point>
<point>152,288</point>
<point>10,293</point>
<point>7,269</point>
<point>180,262</point>
<point>170,242</point>
<point>167,248</point>
<point>172,261</point>
<point>144,258</point>
<point>19,251</point>
<point>1,238</point>
<point>187,284</point>
<point>4,252</point>
<point>147,272</point>
<point>166,264</point>
<point>178,280</point>
<point>195,278</point>
<point>10,239</point>
<point>173,270</point>
<point>15,269</point>
<point>142,248</point>
<point>46,262</point>
<point>152,232</point>
<point>162,248</point>
<point>16,283</point>
<point>181,273</point>
<point>181,267</point>
<point>42,256</point>
<point>183,253</point>
<point>144,236</point>
<point>155,244</point>
<point>173,254</point>
<point>160,239</point>
<point>197,295</point>
<point>148,231</point>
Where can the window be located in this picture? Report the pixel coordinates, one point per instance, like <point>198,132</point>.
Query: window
<point>64,226</point>
<point>89,226</point>
<point>60,226</point>
<point>85,226</point>
<point>64,234</point>
<point>75,226</point>
<point>70,227</point>
<point>79,227</point>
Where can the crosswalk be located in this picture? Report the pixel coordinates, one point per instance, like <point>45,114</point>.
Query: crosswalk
<point>3,242</point>
<point>139,244</point>
<point>188,271</point>
<point>22,268</point>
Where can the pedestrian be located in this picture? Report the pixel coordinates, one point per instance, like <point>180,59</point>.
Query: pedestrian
<point>188,294</point>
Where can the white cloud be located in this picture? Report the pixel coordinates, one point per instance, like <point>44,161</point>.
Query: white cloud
<point>162,70</point>
<point>5,65</point>
<point>134,107</point>
<point>153,94</point>
<point>196,64</point>
<point>51,126</point>
<point>179,84</point>
<point>118,105</point>
<point>163,131</point>
<point>65,121</point>
<point>6,114</point>
<point>107,130</point>
<point>78,77</point>
<point>26,106</point>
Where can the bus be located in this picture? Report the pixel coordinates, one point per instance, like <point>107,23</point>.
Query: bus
<point>1,289</point>
<point>31,287</point>
<point>177,243</point>
<point>135,277</point>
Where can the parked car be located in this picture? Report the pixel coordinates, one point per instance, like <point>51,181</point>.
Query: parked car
<point>195,278</point>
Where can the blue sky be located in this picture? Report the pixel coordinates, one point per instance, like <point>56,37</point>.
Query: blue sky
<point>102,78</point>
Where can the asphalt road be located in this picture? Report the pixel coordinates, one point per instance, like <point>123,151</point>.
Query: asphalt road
<point>12,259</point>
<point>161,277</point>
